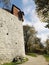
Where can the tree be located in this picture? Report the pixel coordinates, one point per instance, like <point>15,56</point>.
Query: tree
<point>42,7</point>
<point>47,48</point>
<point>32,42</point>
<point>29,32</point>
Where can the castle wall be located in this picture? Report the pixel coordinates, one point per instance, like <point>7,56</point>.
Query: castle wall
<point>11,37</point>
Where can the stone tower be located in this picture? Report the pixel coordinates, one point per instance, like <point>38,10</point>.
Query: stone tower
<point>11,37</point>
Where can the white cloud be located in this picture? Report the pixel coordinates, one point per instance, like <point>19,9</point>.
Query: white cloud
<point>43,37</point>
<point>27,9</point>
<point>34,20</point>
<point>26,22</point>
<point>26,1</point>
<point>39,26</point>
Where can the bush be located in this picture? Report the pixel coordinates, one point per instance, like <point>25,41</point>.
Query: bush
<point>46,57</point>
<point>32,54</point>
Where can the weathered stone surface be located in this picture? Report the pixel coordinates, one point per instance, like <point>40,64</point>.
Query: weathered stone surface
<point>11,37</point>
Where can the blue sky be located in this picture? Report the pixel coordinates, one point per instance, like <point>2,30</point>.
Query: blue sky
<point>31,17</point>
<point>18,3</point>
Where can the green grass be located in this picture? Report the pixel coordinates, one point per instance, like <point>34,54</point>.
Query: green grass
<point>16,63</point>
<point>46,57</point>
<point>10,63</point>
<point>26,59</point>
<point>32,54</point>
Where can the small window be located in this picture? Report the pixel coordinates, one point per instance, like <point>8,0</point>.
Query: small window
<point>7,33</point>
<point>1,25</point>
<point>16,43</point>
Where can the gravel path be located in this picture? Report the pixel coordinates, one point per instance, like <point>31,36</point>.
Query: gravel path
<point>39,60</point>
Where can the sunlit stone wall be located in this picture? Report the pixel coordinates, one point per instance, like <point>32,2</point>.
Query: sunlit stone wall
<point>11,37</point>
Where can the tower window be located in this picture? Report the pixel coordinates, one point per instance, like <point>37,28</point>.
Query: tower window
<point>7,33</point>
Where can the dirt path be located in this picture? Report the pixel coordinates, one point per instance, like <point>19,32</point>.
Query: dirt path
<point>39,60</point>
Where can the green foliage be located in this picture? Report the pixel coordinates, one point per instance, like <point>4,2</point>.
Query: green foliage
<point>29,33</point>
<point>47,46</point>
<point>16,63</point>
<point>32,42</point>
<point>32,54</point>
<point>10,63</point>
<point>42,8</point>
<point>47,26</point>
<point>46,57</point>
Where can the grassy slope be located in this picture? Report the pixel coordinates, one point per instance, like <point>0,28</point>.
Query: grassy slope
<point>46,57</point>
<point>16,63</point>
<point>32,54</point>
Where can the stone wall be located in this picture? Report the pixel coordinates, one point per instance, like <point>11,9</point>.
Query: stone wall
<point>11,37</point>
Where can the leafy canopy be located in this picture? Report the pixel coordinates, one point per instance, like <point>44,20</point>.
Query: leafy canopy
<point>42,8</point>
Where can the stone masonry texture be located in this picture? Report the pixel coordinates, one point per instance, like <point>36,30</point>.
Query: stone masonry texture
<point>11,37</point>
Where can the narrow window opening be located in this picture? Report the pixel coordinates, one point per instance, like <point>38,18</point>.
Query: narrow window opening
<point>7,33</point>
<point>16,43</point>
